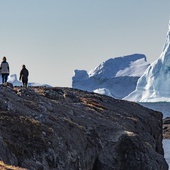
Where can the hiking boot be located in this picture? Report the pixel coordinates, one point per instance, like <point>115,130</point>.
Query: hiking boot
<point>24,86</point>
<point>5,84</point>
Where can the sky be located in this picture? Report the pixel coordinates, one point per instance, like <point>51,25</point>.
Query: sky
<point>55,37</point>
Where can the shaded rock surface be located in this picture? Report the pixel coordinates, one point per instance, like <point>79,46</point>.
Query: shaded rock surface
<point>166,128</point>
<point>68,129</point>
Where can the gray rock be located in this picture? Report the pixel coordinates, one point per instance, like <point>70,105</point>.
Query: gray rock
<point>69,129</point>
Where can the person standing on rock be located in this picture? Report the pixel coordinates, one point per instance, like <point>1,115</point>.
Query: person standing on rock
<point>4,69</point>
<point>24,76</point>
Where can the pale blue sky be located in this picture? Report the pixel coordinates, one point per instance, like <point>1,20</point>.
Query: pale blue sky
<point>54,37</point>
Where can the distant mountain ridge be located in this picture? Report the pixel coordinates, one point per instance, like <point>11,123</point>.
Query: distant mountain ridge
<point>116,77</point>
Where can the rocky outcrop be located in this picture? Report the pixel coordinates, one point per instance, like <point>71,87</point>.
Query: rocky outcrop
<point>66,129</point>
<point>166,128</point>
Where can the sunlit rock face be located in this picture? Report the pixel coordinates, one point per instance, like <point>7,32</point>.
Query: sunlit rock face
<point>154,85</point>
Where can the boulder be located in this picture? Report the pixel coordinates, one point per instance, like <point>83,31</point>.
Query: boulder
<point>67,129</point>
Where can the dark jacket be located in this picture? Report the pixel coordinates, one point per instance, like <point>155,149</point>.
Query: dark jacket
<point>24,74</point>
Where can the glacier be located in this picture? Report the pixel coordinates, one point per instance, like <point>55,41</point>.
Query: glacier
<point>116,77</point>
<point>154,84</point>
